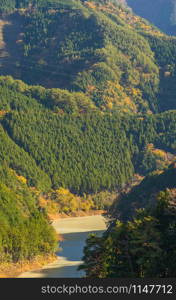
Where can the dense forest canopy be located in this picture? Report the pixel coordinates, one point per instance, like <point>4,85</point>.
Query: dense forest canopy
<point>83,152</point>
<point>98,48</point>
<point>143,247</point>
<point>87,104</point>
<point>25,231</point>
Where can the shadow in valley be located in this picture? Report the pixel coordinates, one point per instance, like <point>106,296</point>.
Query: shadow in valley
<point>62,272</point>
<point>72,250</point>
<point>69,258</point>
<point>10,46</point>
<point>73,244</point>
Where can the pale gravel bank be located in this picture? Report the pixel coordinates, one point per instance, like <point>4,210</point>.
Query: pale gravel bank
<point>63,267</point>
<point>80,224</point>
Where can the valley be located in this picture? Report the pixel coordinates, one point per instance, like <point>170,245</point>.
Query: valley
<point>88,124</point>
<point>74,232</point>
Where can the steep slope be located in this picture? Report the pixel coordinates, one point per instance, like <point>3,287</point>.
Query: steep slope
<point>97,47</point>
<point>162,13</point>
<point>145,245</point>
<point>104,116</point>
<point>93,47</point>
<point>144,194</point>
<point>72,148</point>
<point>24,231</point>
<point>22,163</point>
<point>78,147</point>
<point>10,46</point>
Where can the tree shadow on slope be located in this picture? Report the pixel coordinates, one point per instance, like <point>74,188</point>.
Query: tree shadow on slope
<point>11,49</point>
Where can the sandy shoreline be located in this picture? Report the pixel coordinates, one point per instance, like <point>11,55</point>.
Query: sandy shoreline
<point>79,224</point>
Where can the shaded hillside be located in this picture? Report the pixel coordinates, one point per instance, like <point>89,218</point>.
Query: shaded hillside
<point>162,13</point>
<point>143,247</point>
<point>10,45</point>
<point>97,47</point>
<point>144,194</point>
<point>94,111</point>
<point>93,47</point>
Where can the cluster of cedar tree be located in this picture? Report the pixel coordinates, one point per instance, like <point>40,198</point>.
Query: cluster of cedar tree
<point>108,114</point>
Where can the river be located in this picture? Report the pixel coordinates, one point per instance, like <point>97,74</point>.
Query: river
<point>74,232</point>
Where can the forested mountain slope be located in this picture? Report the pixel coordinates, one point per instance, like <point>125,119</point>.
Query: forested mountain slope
<point>84,152</point>
<point>90,107</point>
<point>162,13</point>
<point>144,194</point>
<point>24,231</point>
<point>97,47</point>
<point>143,246</point>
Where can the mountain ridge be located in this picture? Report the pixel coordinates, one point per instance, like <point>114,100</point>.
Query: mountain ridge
<point>87,105</point>
<point>162,13</point>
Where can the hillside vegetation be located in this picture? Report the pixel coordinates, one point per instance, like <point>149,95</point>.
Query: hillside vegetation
<point>24,231</point>
<point>82,152</point>
<point>94,47</point>
<point>143,246</point>
<point>162,13</point>
<point>118,60</point>
<point>87,110</point>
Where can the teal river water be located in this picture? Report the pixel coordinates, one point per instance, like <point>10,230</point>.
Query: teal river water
<point>72,250</point>
<point>74,232</point>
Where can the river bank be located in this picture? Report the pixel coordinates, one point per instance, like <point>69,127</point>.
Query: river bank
<point>13,270</point>
<point>74,231</point>
<point>76,214</point>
